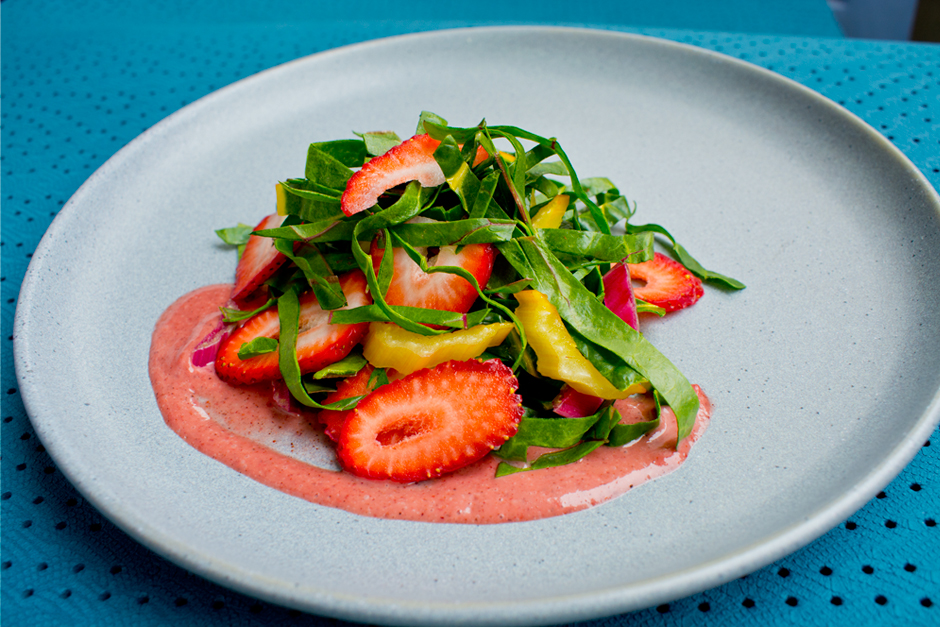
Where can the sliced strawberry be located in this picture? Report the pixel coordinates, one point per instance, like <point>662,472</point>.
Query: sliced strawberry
<point>319,343</point>
<point>259,261</point>
<point>356,385</point>
<point>411,160</point>
<point>668,284</point>
<point>412,287</point>
<point>431,422</point>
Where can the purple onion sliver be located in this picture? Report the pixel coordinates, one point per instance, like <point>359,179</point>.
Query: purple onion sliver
<point>280,395</point>
<point>207,348</point>
<point>618,295</point>
<point>573,404</point>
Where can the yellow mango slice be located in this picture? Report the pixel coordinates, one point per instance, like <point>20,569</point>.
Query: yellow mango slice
<point>550,215</point>
<point>387,345</point>
<point>558,355</point>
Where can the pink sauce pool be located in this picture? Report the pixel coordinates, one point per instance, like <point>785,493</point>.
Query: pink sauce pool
<point>243,428</point>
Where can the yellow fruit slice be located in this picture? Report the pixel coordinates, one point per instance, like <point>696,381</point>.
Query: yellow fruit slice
<point>552,213</point>
<point>387,345</point>
<point>558,355</point>
<point>281,199</point>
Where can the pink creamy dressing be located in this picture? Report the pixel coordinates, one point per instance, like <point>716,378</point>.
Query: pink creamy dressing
<point>242,428</point>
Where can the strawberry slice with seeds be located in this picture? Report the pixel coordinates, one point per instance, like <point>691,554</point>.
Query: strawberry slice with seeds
<point>668,283</point>
<point>356,385</point>
<point>411,160</point>
<point>259,261</point>
<point>428,424</point>
<point>319,343</point>
<point>412,287</point>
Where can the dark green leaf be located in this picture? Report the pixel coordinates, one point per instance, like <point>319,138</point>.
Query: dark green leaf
<point>547,187</point>
<point>433,119</point>
<point>687,260</point>
<point>378,143</point>
<point>312,387</point>
<point>618,209</point>
<point>537,155</point>
<point>299,189</point>
<point>606,419</point>
<point>547,433</point>
<point>230,315</point>
<point>374,313</point>
<point>634,248</point>
<point>609,364</point>
<point>320,277</point>
<point>235,235</point>
<point>511,288</point>
<point>597,185</point>
<point>550,460</point>
<point>288,309</point>
<point>378,378</point>
<point>346,367</point>
<point>556,168</point>
<point>455,233</point>
<point>350,152</point>
<point>325,169</point>
<point>257,346</point>
<point>436,127</point>
<point>696,268</point>
<point>622,434</point>
<point>483,203</point>
<point>460,178</point>
<point>310,201</point>
<point>329,230</point>
<point>340,262</point>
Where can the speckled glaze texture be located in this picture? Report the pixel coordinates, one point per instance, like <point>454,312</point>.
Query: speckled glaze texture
<point>824,372</point>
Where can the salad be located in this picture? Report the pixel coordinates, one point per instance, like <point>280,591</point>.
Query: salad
<point>453,295</point>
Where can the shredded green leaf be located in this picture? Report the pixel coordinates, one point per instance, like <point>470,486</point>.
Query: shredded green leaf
<point>257,346</point>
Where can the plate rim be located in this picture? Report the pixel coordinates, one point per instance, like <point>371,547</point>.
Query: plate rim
<point>580,606</point>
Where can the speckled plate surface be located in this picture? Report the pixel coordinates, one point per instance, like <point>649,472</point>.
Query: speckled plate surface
<point>824,373</point>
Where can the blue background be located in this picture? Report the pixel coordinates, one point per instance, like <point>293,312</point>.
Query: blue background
<point>80,80</point>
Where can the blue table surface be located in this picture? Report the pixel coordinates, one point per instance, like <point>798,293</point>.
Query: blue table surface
<point>81,80</point>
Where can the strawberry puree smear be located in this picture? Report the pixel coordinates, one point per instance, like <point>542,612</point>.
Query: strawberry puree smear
<point>245,430</point>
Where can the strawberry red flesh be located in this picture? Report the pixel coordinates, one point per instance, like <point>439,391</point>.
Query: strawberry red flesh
<point>668,283</point>
<point>411,160</point>
<point>259,261</point>
<point>412,287</point>
<point>426,424</point>
<point>356,385</point>
<point>319,343</point>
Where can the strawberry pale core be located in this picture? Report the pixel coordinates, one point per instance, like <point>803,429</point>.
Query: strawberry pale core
<point>244,428</point>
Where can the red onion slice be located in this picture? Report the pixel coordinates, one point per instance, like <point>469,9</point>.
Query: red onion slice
<point>573,404</point>
<point>206,349</point>
<point>280,396</point>
<point>618,295</point>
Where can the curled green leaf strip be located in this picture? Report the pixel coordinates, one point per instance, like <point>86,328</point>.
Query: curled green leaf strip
<point>288,310</point>
<point>686,259</point>
<point>257,346</point>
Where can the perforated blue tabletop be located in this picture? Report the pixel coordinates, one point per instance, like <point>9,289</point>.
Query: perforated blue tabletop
<point>79,82</point>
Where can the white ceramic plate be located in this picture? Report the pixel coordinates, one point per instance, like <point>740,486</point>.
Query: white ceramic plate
<point>824,372</point>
